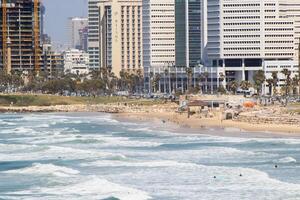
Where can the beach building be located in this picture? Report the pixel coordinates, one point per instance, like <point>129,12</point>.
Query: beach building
<point>93,34</point>
<point>76,62</point>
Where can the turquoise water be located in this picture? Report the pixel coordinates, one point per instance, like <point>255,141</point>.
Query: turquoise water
<point>93,156</point>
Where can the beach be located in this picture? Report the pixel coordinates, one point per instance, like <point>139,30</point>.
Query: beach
<point>263,120</point>
<point>165,113</point>
<point>237,128</point>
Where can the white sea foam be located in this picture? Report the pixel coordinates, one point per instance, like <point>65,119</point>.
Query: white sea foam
<point>9,148</point>
<point>150,164</point>
<point>7,123</point>
<point>121,141</point>
<point>92,188</point>
<point>215,153</point>
<point>55,152</point>
<point>42,126</point>
<point>285,160</point>
<point>46,169</point>
<point>24,131</point>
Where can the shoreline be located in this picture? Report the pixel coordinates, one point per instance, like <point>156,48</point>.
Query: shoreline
<point>228,127</point>
<point>166,113</point>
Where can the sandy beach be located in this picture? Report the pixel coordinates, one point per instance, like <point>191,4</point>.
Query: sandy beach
<point>167,113</point>
<point>236,128</point>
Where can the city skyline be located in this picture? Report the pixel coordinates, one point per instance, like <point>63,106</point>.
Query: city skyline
<point>57,14</point>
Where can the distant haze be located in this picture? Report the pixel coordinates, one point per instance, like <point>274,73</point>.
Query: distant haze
<point>57,14</point>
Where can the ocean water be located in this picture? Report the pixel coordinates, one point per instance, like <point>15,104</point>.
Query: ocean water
<point>93,156</point>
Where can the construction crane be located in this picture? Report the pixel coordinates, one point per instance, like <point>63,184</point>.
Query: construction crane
<point>36,37</point>
<point>4,34</point>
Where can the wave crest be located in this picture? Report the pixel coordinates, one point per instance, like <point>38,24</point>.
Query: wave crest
<point>46,169</point>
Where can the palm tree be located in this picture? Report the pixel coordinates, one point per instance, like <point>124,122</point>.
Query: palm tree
<point>150,81</point>
<point>165,80</point>
<point>259,79</point>
<point>274,81</point>
<point>206,75</point>
<point>170,84</point>
<point>156,81</point>
<point>140,77</point>
<point>245,85</point>
<point>200,79</point>
<point>172,78</point>
<point>233,86</point>
<point>287,73</point>
<point>270,84</point>
<point>189,73</point>
<point>295,84</point>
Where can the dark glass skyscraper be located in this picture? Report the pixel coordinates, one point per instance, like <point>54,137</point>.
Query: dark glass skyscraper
<point>188,32</point>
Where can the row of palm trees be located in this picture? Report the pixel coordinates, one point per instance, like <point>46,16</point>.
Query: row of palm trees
<point>190,82</point>
<point>104,81</point>
<point>97,82</point>
<point>290,86</point>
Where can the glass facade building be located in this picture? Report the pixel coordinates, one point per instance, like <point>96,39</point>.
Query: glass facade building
<point>188,32</point>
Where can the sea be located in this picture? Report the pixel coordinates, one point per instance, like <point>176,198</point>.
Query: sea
<point>95,156</point>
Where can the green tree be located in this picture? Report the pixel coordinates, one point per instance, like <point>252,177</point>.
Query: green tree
<point>245,85</point>
<point>295,84</point>
<point>206,75</point>
<point>166,72</point>
<point>189,72</point>
<point>274,82</point>
<point>287,73</point>
<point>233,86</point>
<point>259,79</point>
<point>156,80</point>
<point>270,84</point>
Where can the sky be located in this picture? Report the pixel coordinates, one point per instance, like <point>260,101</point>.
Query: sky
<point>57,14</point>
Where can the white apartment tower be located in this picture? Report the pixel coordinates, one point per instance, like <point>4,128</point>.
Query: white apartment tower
<point>242,35</point>
<point>93,33</point>
<point>75,25</point>
<point>291,9</point>
<point>121,35</point>
<point>158,33</point>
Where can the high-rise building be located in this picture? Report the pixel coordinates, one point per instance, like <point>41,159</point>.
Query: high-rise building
<point>158,37</point>
<point>188,37</point>
<point>158,33</point>
<point>75,25</point>
<point>237,38</point>
<point>291,9</point>
<point>20,32</point>
<point>121,35</point>
<point>93,34</point>
<point>242,35</point>
<point>42,19</point>
<point>53,62</point>
<point>83,38</point>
